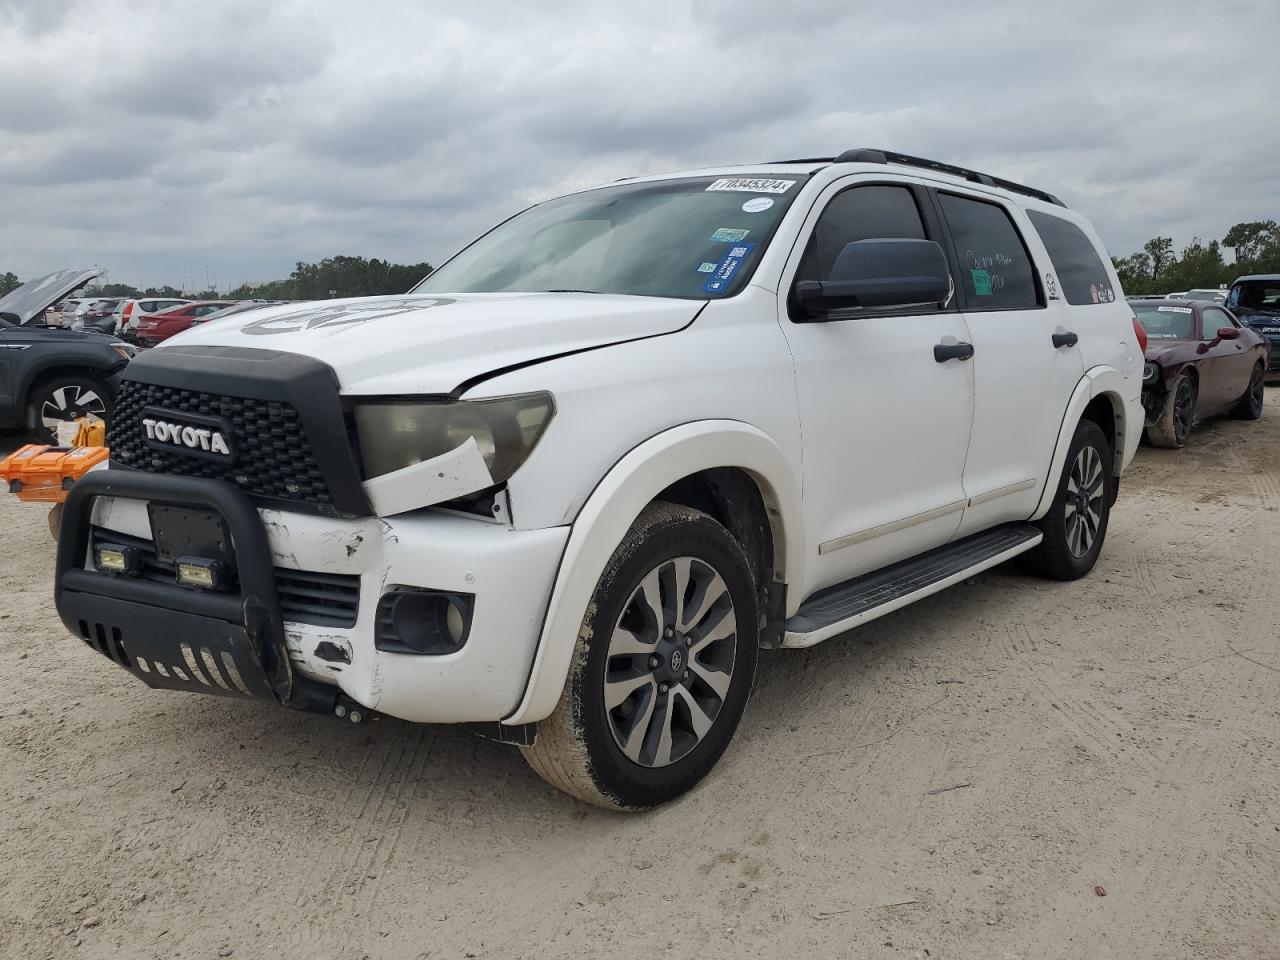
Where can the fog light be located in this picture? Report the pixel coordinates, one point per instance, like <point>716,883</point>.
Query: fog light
<point>113,559</point>
<point>199,572</point>
<point>423,622</point>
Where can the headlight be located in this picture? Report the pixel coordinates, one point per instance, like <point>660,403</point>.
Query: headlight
<point>1150,372</point>
<point>395,434</point>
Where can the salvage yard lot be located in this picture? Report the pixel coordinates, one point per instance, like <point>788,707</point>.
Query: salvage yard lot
<point>951,781</point>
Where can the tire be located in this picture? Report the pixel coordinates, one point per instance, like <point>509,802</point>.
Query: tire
<point>647,748</point>
<point>1074,529</point>
<point>1249,406</point>
<point>1173,426</point>
<point>65,398</point>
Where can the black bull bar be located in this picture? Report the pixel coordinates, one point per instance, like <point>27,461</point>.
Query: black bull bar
<point>229,643</point>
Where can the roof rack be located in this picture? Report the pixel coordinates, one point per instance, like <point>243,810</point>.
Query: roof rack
<point>869,155</point>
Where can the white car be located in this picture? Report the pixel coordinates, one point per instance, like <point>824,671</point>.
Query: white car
<point>567,487</point>
<point>129,312</point>
<point>1211,295</point>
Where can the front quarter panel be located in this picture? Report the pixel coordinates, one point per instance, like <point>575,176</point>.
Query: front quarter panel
<point>608,514</point>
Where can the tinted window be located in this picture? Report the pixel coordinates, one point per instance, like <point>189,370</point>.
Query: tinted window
<point>863,213</point>
<point>995,269</point>
<point>1211,321</point>
<point>1081,274</point>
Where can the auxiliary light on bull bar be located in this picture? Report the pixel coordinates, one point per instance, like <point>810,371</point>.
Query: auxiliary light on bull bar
<point>109,558</point>
<point>201,573</point>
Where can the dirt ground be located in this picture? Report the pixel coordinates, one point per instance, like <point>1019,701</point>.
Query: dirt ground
<point>962,779</point>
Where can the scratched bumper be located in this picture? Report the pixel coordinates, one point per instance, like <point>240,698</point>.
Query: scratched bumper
<point>509,572</point>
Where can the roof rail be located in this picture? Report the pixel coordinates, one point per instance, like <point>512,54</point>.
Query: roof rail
<point>870,155</point>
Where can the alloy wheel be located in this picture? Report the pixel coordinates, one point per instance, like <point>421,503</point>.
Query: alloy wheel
<point>71,402</point>
<point>1084,501</point>
<point>670,661</point>
<point>1184,410</point>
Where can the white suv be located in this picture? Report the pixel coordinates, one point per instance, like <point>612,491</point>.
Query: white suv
<point>567,487</point>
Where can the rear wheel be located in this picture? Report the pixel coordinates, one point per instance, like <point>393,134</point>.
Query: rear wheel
<point>1076,524</point>
<point>65,399</point>
<point>1249,407</point>
<point>662,669</point>
<point>1173,426</point>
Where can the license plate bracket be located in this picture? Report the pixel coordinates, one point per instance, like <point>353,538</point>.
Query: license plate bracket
<point>190,532</point>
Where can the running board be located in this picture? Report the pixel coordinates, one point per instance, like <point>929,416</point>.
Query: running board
<point>846,605</point>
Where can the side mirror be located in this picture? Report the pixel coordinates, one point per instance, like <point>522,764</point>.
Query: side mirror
<point>10,320</point>
<point>879,273</point>
<point>1229,333</point>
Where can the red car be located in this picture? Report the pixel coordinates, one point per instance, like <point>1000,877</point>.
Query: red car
<point>1200,363</point>
<point>156,327</point>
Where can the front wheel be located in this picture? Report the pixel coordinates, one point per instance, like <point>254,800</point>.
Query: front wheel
<point>1173,426</point>
<point>1076,524</point>
<point>662,669</point>
<point>65,399</point>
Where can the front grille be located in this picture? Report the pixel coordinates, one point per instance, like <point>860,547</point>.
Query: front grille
<point>306,596</point>
<point>273,457</point>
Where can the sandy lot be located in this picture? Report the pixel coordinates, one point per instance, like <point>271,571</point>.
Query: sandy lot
<point>952,781</point>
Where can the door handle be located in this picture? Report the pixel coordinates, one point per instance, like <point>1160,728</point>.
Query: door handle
<point>1066,339</point>
<point>942,352</point>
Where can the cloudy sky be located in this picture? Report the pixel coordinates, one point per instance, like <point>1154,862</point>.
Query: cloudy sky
<point>164,138</point>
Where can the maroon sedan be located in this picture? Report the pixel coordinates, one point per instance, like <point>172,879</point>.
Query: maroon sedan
<point>155,327</point>
<point>1200,363</point>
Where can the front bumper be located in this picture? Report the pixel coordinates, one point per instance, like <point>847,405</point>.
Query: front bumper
<point>510,574</point>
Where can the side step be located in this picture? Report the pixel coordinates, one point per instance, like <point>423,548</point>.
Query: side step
<point>846,605</point>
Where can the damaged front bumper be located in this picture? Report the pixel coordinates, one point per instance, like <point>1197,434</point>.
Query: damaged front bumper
<point>304,621</point>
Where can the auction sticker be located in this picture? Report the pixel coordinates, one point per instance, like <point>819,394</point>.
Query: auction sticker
<point>727,268</point>
<point>757,205</point>
<point>729,235</point>
<point>1174,310</point>
<point>751,185</point>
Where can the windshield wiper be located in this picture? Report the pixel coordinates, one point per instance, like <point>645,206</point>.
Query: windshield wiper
<point>567,290</point>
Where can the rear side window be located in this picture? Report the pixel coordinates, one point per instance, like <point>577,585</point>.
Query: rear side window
<point>1081,274</point>
<point>861,213</point>
<point>995,268</point>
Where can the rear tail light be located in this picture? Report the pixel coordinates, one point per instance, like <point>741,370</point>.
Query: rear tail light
<point>1141,332</point>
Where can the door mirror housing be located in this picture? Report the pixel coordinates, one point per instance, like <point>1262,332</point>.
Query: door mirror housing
<point>1229,333</point>
<point>872,274</point>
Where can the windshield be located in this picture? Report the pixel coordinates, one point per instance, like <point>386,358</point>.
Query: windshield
<point>1166,323</point>
<point>1215,295</point>
<point>697,238</point>
<point>1255,295</point>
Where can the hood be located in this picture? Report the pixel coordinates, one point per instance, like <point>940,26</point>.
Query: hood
<point>1165,346</point>
<point>433,344</point>
<point>35,296</point>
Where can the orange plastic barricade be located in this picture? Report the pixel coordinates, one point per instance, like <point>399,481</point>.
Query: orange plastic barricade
<point>42,473</point>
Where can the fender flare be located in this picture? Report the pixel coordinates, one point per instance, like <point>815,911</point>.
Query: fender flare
<point>618,499</point>
<point>70,361</point>
<point>1102,380</point>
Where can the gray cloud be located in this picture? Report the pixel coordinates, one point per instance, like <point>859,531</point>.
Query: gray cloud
<point>161,137</point>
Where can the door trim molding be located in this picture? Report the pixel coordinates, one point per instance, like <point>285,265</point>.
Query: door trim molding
<point>831,546</point>
<point>1003,491</point>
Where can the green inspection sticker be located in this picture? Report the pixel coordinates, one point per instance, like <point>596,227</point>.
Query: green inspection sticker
<point>981,282</point>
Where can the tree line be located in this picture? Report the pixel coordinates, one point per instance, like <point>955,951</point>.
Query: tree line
<point>340,276</point>
<point>1157,269</point>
